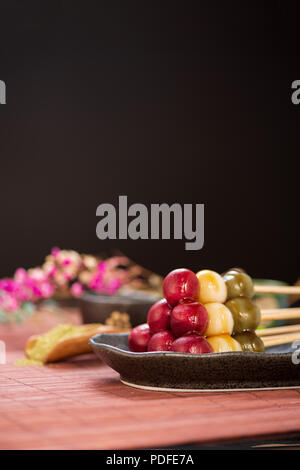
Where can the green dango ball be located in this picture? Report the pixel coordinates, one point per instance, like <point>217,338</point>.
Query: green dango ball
<point>246,314</point>
<point>237,270</point>
<point>238,284</point>
<point>250,342</point>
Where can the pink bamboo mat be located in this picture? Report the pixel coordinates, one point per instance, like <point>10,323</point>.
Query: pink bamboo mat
<point>82,405</point>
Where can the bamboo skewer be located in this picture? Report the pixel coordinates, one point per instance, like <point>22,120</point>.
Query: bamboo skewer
<point>281,334</point>
<point>269,314</point>
<point>269,289</point>
<point>280,339</point>
<point>277,330</point>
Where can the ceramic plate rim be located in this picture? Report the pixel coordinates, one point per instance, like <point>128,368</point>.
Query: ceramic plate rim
<point>204,390</point>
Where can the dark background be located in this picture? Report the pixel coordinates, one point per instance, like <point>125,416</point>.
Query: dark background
<point>184,102</point>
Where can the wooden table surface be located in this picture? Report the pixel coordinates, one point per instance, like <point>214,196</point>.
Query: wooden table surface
<point>81,404</point>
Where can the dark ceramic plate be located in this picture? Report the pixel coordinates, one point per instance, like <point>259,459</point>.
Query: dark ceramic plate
<point>195,372</point>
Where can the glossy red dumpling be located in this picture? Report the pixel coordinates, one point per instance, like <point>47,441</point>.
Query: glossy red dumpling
<point>161,341</point>
<point>179,285</point>
<point>193,344</point>
<point>189,317</point>
<point>139,338</point>
<point>159,316</point>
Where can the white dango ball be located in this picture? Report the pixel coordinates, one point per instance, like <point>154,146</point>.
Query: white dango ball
<point>212,287</point>
<point>220,320</point>
<point>223,343</point>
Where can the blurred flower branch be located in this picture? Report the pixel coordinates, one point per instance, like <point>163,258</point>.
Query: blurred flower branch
<point>66,273</point>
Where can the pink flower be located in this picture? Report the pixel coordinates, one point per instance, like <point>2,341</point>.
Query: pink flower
<point>46,290</point>
<point>23,295</point>
<point>55,251</point>
<point>59,271</point>
<point>77,289</point>
<point>96,283</point>
<point>9,303</point>
<point>37,274</point>
<point>66,262</point>
<point>20,275</point>
<point>8,285</point>
<point>114,286</point>
<point>116,261</point>
<point>36,291</point>
<point>102,266</point>
<point>67,276</point>
<point>52,271</point>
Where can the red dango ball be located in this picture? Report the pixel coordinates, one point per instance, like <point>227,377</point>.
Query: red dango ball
<point>161,341</point>
<point>189,317</point>
<point>139,338</point>
<point>159,316</point>
<point>180,284</point>
<point>192,343</point>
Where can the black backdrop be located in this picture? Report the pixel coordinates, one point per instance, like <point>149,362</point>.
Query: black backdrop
<point>164,102</point>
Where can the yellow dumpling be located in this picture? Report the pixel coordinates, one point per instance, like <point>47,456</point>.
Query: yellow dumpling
<point>212,288</point>
<point>220,320</point>
<point>223,343</point>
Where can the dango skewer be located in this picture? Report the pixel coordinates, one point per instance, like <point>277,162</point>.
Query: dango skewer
<point>272,289</point>
<point>240,285</point>
<point>276,340</point>
<point>270,314</point>
<point>207,312</point>
<point>277,330</point>
<point>267,288</point>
